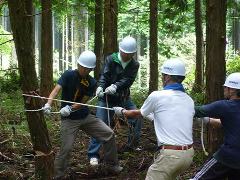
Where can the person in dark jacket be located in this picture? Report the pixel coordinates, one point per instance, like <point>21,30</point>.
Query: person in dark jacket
<point>119,73</point>
<point>225,163</point>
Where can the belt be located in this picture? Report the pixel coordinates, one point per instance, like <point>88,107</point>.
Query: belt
<point>173,147</point>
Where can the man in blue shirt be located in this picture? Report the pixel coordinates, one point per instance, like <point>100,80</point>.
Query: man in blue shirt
<point>79,86</point>
<point>225,163</point>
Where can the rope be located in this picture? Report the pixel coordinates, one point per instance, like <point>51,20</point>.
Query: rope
<point>202,142</point>
<point>108,112</point>
<point>28,95</point>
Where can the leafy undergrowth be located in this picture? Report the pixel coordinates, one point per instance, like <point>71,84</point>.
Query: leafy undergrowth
<point>17,157</point>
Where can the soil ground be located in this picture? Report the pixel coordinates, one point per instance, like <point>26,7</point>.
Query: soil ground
<point>17,157</point>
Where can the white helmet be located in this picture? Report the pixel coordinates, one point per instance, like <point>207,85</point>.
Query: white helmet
<point>173,67</point>
<point>233,81</point>
<point>87,59</point>
<point>128,45</point>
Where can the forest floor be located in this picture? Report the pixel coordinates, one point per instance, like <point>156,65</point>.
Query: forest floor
<point>17,157</point>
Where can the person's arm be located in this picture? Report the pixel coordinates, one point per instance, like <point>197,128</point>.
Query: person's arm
<point>132,113</point>
<point>54,93</point>
<point>129,78</point>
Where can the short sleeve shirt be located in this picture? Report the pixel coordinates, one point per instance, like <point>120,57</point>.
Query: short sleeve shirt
<point>173,113</point>
<point>75,88</point>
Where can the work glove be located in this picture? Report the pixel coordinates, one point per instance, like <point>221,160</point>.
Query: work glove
<point>118,111</point>
<point>66,111</point>
<point>47,109</point>
<point>204,119</point>
<point>111,89</point>
<point>99,92</point>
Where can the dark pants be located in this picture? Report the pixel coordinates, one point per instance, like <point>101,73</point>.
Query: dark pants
<point>214,170</point>
<point>134,129</point>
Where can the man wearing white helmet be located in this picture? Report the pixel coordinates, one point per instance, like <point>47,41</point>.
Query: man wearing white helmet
<point>79,86</point>
<point>119,73</point>
<point>225,163</point>
<point>172,111</point>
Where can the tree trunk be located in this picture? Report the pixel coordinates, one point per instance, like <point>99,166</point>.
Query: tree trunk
<point>98,36</point>
<point>215,60</point>
<point>110,27</point>
<point>46,73</point>
<point>236,31</point>
<point>153,50</point>
<point>21,17</point>
<point>198,84</point>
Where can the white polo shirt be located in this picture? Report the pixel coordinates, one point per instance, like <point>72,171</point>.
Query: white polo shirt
<point>173,116</point>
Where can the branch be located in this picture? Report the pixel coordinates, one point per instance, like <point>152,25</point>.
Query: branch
<point>6,42</point>
<point>5,157</point>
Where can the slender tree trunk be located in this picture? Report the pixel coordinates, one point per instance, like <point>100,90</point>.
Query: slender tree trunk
<point>236,31</point>
<point>215,60</point>
<point>98,36</point>
<point>110,27</point>
<point>20,12</point>
<point>198,84</point>
<point>153,51</point>
<point>46,73</point>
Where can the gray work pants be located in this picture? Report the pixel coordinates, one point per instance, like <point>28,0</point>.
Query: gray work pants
<point>93,127</point>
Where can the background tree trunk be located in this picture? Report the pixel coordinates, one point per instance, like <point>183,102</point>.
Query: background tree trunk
<point>110,27</point>
<point>215,60</point>
<point>153,50</point>
<point>236,30</point>
<point>98,36</point>
<point>198,84</point>
<point>21,18</point>
<point>46,73</point>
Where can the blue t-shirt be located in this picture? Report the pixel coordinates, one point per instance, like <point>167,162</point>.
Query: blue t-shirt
<point>75,88</point>
<point>229,113</point>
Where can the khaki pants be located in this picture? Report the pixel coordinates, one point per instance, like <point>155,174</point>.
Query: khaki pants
<point>92,126</point>
<point>169,164</point>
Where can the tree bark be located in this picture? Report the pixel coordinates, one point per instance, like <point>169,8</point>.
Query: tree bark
<point>215,60</point>
<point>98,36</point>
<point>198,84</point>
<point>46,73</point>
<point>21,17</point>
<point>153,50</point>
<point>110,27</point>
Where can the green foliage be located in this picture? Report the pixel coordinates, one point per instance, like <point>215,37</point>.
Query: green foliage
<point>138,94</point>
<point>5,47</point>
<point>233,65</point>
<point>9,80</point>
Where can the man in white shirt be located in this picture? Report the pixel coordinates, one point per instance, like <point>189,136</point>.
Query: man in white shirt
<point>172,110</point>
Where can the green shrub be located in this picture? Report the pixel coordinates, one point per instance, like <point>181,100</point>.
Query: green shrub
<point>233,65</point>
<point>9,80</point>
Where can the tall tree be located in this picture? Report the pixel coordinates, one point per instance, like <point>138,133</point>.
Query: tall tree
<point>153,51</point>
<point>198,84</point>
<point>98,36</point>
<point>215,59</point>
<point>110,27</point>
<point>46,73</point>
<point>21,17</point>
<point>236,29</point>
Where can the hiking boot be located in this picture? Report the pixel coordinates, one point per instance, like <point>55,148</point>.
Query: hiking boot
<point>93,161</point>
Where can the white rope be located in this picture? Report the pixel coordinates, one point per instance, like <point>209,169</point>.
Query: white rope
<point>28,95</point>
<point>202,142</point>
